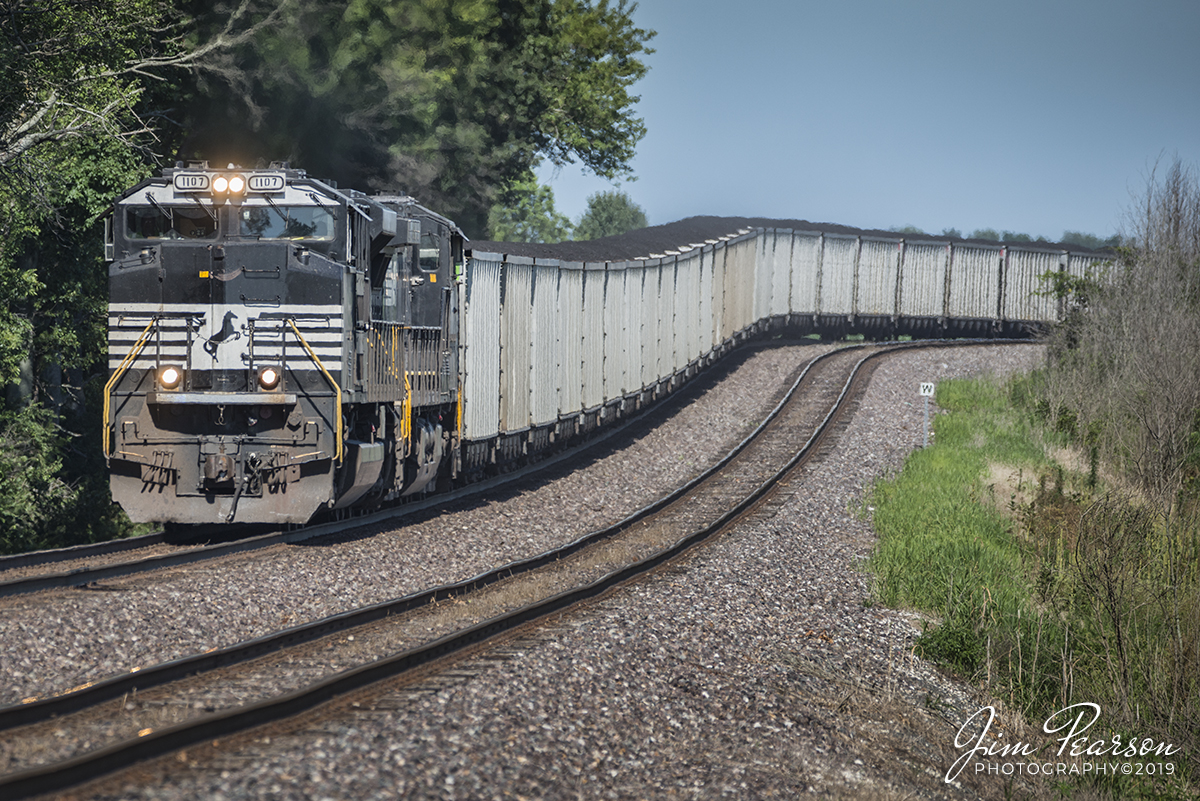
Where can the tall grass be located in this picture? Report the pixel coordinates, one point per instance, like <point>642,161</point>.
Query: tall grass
<point>946,549</point>
<point>1061,592</point>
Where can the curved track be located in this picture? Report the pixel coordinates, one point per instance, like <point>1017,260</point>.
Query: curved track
<point>565,577</point>
<point>86,566</point>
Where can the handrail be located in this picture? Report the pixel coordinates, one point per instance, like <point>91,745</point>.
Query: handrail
<point>406,413</point>
<point>337,389</point>
<point>122,368</point>
<point>397,351</point>
<point>459,414</point>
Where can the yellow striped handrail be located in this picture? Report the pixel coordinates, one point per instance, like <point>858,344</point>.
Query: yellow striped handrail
<point>459,414</point>
<point>406,412</point>
<point>122,368</point>
<point>395,351</point>
<point>337,389</point>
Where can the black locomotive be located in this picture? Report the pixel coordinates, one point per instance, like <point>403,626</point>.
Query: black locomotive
<point>277,346</point>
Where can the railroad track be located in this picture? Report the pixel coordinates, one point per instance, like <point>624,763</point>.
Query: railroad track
<point>164,708</point>
<point>87,566</point>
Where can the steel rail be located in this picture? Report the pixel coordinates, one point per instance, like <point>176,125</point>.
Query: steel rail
<point>47,557</point>
<point>93,765</point>
<point>41,709</point>
<point>83,576</point>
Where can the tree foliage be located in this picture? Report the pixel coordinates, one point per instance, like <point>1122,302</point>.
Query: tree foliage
<point>64,85</point>
<point>33,493</point>
<point>78,70</point>
<point>448,100</point>
<point>609,214</point>
<point>68,72</point>
<point>1090,240</point>
<point>1123,382</point>
<point>527,214</point>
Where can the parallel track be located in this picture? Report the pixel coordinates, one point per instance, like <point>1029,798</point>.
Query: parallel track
<point>692,514</point>
<point>100,562</point>
<point>79,552</point>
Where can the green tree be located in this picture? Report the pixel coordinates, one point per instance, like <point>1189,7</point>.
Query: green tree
<point>952,232</point>
<point>1123,380</point>
<point>64,84</point>
<point>1090,240</point>
<point>80,120</point>
<point>609,214</point>
<point>32,493</point>
<point>448,100</point>
<point>527,214</point>
<point>985,233</point>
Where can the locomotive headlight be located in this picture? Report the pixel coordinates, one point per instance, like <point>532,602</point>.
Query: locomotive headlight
<point>170,376</point>
<point>229,186</point>
<point>268,377</point>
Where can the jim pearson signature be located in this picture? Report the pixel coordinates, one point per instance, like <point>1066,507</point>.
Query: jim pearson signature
<point>1075,720</point>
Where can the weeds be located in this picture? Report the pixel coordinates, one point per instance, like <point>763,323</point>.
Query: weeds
<point>1058,592</point>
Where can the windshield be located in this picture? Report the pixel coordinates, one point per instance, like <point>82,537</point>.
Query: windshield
<point>169,222</point>
<point>286,222</point>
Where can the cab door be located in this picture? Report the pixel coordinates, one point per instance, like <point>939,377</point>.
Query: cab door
<point>431,279</point>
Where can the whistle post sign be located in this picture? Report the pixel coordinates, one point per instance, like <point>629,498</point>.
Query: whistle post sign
<point>926,393</point>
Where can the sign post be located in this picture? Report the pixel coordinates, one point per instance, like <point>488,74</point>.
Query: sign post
<point>927,393</point>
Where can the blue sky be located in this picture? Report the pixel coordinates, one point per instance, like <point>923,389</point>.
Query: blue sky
<point>1029,116</point>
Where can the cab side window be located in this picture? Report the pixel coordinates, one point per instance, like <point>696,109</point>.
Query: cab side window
<point>430,252</point>
<point>386,297</point>
<point>433,253</point>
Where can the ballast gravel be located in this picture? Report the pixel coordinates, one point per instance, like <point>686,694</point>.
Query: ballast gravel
<point>755,668</point>
<point>58,640</point>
